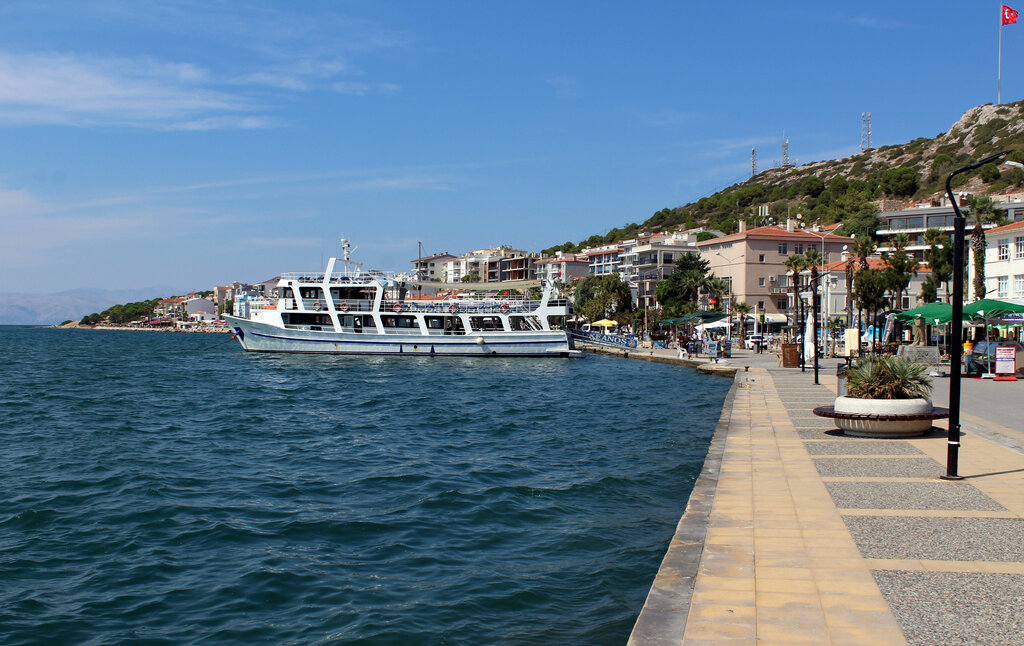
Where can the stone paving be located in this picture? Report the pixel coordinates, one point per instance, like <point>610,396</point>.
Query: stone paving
<point>804,536</point>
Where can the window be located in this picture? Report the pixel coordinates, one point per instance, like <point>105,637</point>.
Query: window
<point>783,248</point>
<point>1018,252</point>
<point>798,248</point>
<point>760,305</point>
<point>1018,285</point>
<point>781,304</point>
<point>1004,286</point>
<point>760,281</point>
<point>486,323</point>
<point>760,258</point>
<point>667,258</point>
<point>1004,250</point>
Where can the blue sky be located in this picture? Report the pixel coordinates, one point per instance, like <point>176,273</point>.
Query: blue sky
<point>193,144</point>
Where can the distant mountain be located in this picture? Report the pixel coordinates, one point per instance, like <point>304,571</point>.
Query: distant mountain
<point>73,304</point>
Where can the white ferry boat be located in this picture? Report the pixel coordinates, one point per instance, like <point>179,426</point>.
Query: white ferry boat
<point>347,311</point>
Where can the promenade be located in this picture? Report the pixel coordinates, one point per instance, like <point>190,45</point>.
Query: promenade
<point>797,534</point>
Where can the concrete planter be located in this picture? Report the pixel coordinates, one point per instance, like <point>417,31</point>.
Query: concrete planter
<point>862,410</point>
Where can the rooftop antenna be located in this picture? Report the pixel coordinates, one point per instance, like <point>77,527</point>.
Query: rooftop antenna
<point>753,162</point>
<point>865,131</point>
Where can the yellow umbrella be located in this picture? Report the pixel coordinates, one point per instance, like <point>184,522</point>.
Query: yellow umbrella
<point>604,323</point>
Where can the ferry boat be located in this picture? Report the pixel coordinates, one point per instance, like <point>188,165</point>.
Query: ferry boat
<point>347,311</point>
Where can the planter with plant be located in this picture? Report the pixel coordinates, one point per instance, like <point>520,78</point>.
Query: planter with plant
<point>886,397</point>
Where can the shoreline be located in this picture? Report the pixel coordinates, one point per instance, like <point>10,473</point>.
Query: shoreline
<point>126,328</point>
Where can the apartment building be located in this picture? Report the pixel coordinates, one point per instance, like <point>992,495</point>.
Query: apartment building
<point>752,262</point>
<point>1004,264</point>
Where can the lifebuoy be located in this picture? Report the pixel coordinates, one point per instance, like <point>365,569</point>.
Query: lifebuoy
<point>343,307</point>
<point>317,306</point>
<point>396,308</point>
<point>504,308</point>
<point>453,308</point>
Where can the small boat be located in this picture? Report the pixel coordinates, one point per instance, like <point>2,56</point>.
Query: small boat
<point>345,310</point>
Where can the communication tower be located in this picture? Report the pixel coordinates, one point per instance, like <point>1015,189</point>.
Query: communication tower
<point>865,131</point>
<point>753,162</point>
<point>785,151</point>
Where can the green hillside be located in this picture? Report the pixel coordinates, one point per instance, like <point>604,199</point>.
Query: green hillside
<point>849,190</point>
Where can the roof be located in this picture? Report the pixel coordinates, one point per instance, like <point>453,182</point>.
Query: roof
<point>873,263</point>
<point>1013,226</point>
<point>775,231</point>
<point>433,257</point>
<point>546,260</point>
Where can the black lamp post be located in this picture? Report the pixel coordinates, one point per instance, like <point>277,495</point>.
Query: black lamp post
<point>957,324</point>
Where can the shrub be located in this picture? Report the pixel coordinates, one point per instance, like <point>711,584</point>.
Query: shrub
<point>880,377</point>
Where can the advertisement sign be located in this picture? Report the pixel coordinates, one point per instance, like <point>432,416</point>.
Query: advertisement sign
<point>1006,362</point>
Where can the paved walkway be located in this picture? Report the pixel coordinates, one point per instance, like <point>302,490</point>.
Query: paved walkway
<point>796,534</point>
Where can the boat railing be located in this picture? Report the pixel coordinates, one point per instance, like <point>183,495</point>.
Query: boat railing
<point>313,277</point>
<point>459,307</point>
<point>343,306</point>
<point>263,304</point>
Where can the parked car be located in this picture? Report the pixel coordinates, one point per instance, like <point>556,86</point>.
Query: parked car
<point>754,340</point>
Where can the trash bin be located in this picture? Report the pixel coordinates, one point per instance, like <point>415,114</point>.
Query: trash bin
<point>841,379</point>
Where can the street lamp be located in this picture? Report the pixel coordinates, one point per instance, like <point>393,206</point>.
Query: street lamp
<point>957,322</point>
<point>814,301</point>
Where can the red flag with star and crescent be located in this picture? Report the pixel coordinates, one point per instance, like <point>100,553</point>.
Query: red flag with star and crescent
<point>1009,15</point>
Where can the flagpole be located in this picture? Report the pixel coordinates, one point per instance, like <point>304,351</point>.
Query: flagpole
<point>999,84</point>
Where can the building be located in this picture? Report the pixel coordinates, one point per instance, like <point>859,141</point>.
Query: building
<point>495,265</point>
<point>603,260</point>
<point>938,214</point>
<point>567,268</point>
<point>431,267</point>
<point>752,262</point>
<point>1004,264</point>
<point>649,259</point>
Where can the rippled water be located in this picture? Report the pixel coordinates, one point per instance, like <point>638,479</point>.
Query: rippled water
<point>159,489</point>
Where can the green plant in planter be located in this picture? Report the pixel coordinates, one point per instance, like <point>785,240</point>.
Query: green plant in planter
<point>880,377</point>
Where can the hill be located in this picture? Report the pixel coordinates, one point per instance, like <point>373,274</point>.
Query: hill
<point>50,309</point>
<point>851,190</point>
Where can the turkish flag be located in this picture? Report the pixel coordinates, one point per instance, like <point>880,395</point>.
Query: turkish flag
<point>1009,15</point>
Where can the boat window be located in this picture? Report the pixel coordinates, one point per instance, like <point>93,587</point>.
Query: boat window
<point>408,322</point>
<point>518,324</point>
<point>352,293</point>
<point>486,323</point>
<point>453,325</point>
<point>534,322</point>
<point>311,292</point>
<point>307,319</point>
<point>434,322</point>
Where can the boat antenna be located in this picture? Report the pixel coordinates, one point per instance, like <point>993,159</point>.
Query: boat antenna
<point>346,254</point>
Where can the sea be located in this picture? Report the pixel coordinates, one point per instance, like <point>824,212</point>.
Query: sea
<point>162,488</point>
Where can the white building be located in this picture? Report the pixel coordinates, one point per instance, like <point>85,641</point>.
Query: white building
<point>649,259</point>
<point>1004,264</point>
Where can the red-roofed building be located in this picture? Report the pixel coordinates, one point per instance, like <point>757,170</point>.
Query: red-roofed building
<point>752,261</point>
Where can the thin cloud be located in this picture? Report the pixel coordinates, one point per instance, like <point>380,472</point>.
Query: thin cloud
<point>670,119</point>
<point>69,90</point>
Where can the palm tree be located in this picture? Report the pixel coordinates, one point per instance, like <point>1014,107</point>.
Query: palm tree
<point>850,269</point>
<point>741,309</point>
<point>902,267</point>
<point>715,287</point>
<point>981,209</point>
<point>812,260</point>
<point>794,264</point>
<point>863,246</point>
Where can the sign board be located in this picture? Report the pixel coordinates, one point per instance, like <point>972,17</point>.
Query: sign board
<point>628,341</point>
<point>790,355</point>
<point>928,355</point>
<point>1006,361</point>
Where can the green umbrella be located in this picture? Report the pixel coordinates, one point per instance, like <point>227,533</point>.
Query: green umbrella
<point>990,308</point>
<point>934,313</point>
<point>987,309</point>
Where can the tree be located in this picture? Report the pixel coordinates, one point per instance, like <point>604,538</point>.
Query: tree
<point>939,257</point>
<point>899,182</point>
<point>741,310</point>
<point>812,186</point>
<point>989,173</point>
<point>901,267</point>
<point>677,294</point>
<point>981,208</point>
<point>794,264</point>
<point>851,268</point>
<point>716,288</point>
<point>600,297</point>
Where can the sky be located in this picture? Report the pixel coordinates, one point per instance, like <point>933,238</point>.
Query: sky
<point>198,143</point>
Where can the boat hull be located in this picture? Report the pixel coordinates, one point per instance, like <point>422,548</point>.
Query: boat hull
<point>261,337</point>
